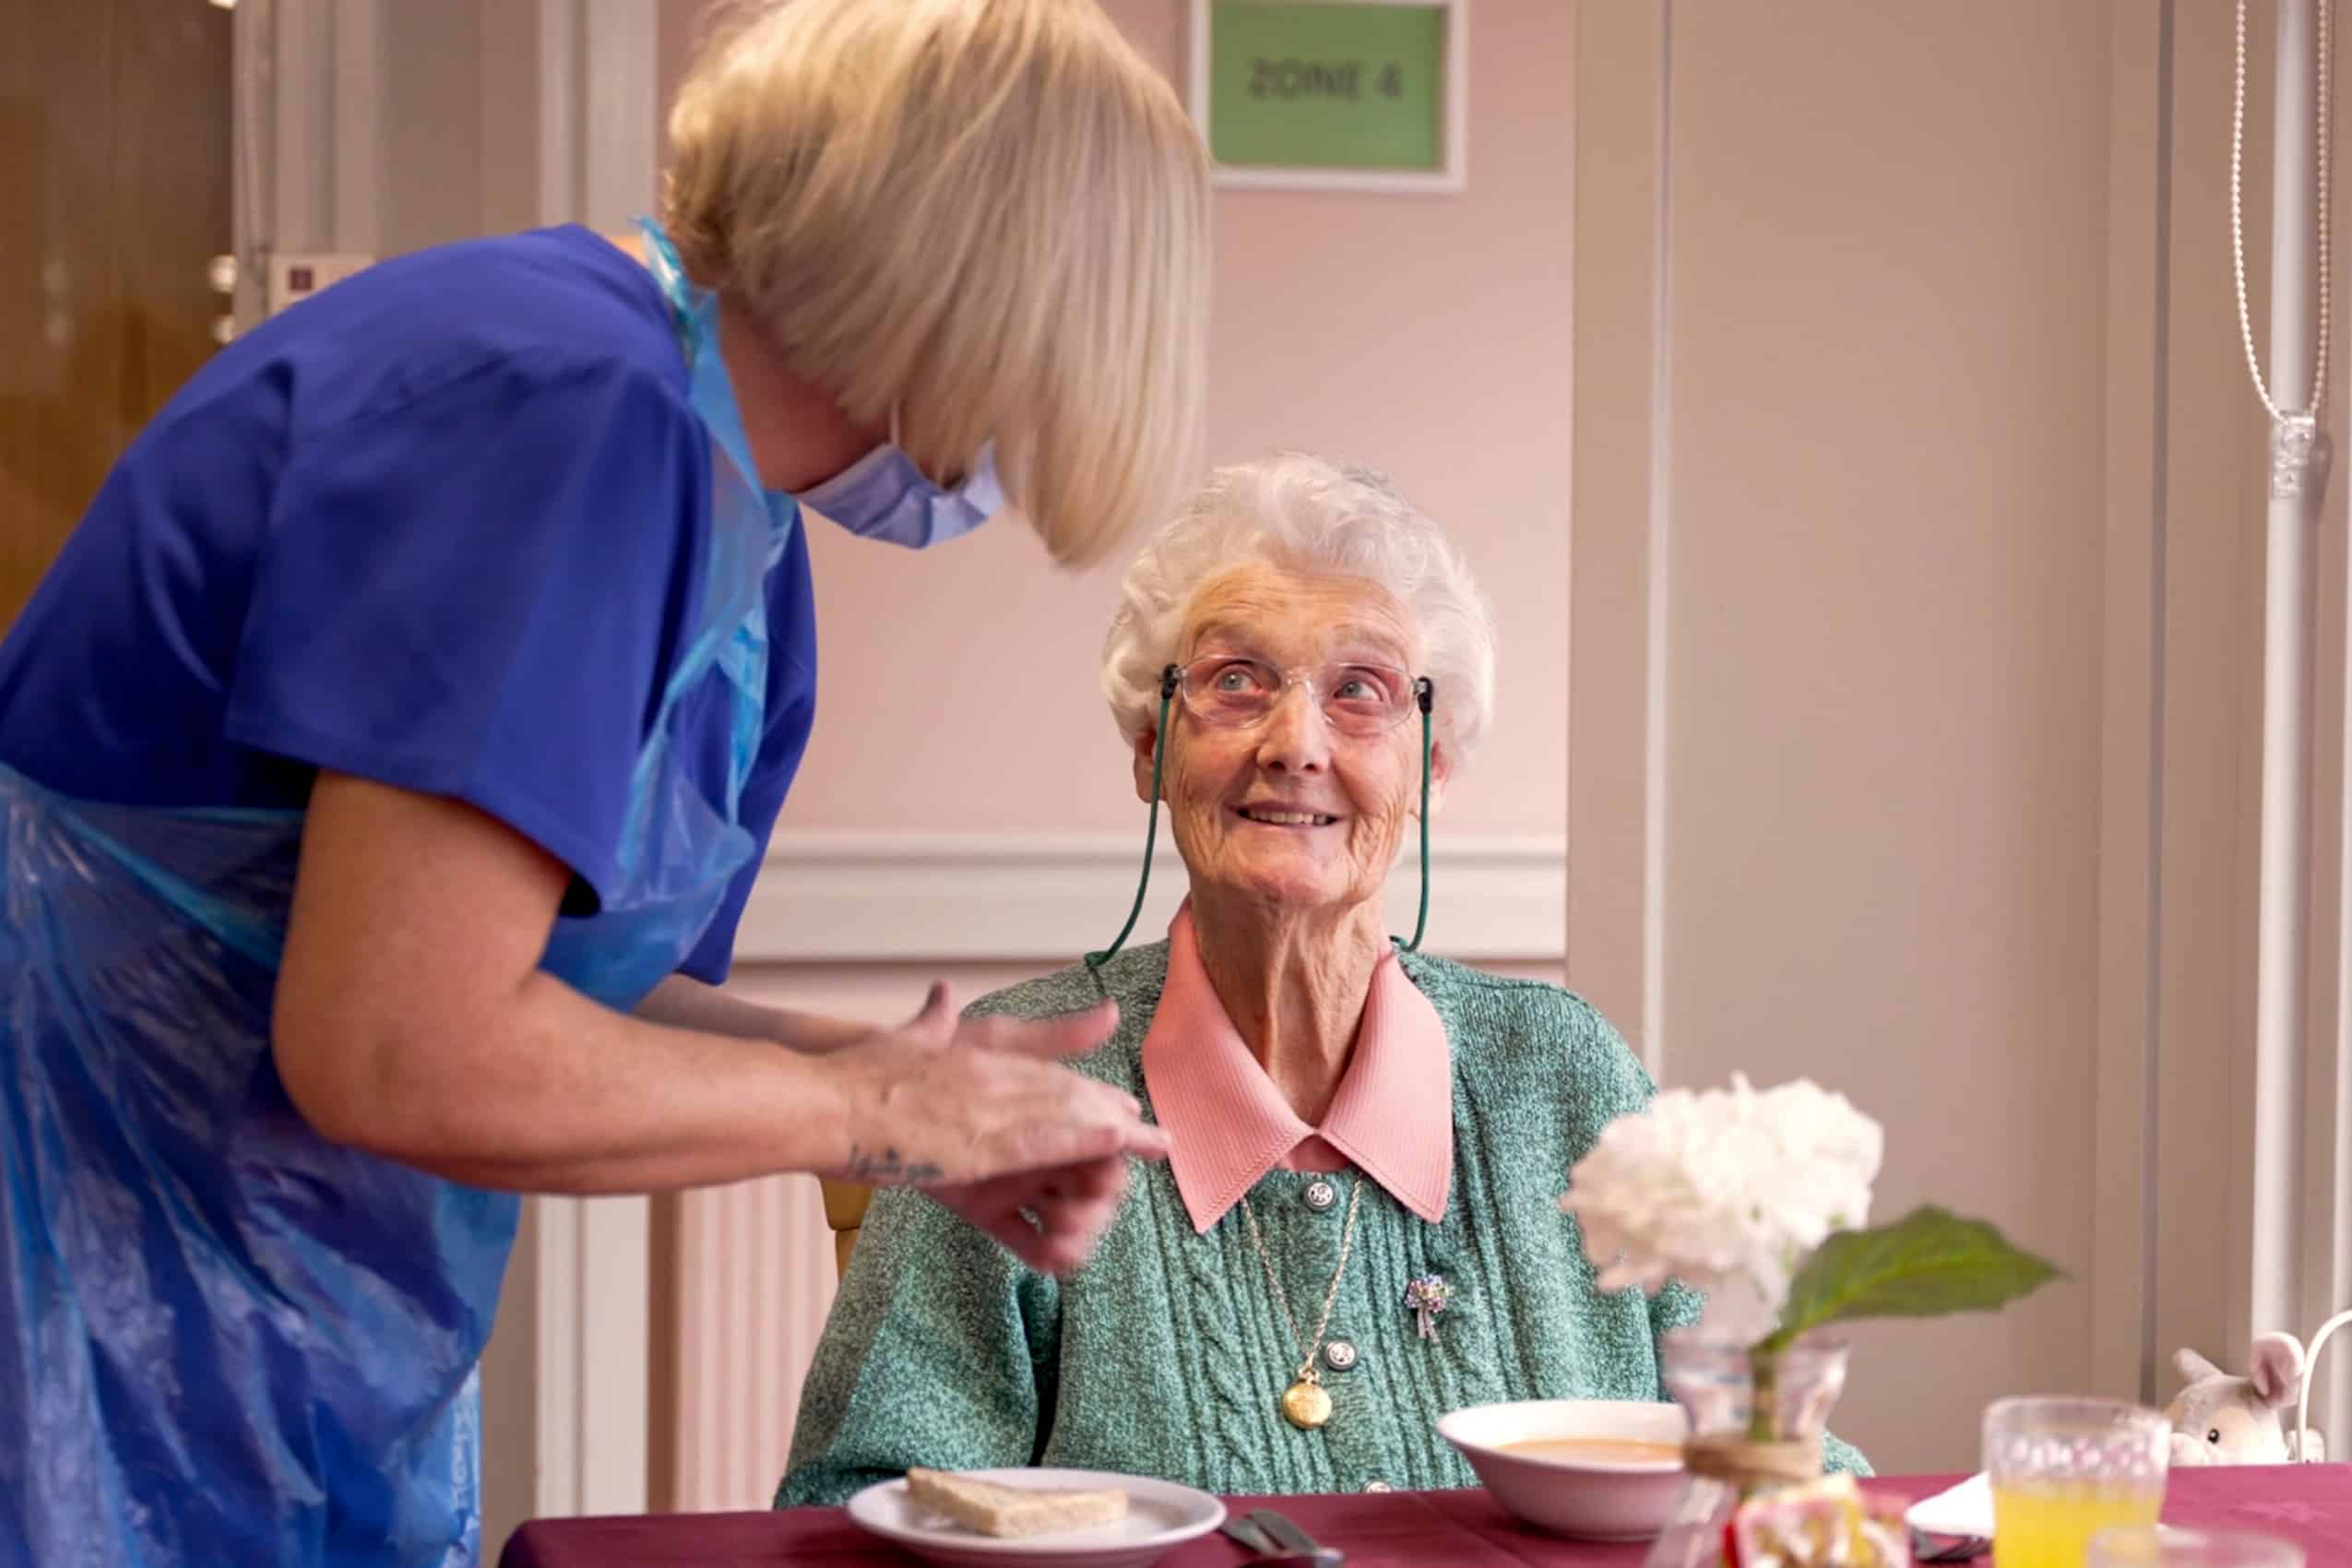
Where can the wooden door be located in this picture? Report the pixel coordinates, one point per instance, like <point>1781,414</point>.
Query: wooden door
<point>115,138</point>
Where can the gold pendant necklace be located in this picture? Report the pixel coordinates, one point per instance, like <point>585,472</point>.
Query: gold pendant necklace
<point>1306,1404</point>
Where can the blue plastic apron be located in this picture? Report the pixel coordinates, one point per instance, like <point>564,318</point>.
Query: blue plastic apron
<point>223,1339</point>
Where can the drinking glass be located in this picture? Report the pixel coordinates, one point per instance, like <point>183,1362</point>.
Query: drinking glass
<point>2063,1469</point>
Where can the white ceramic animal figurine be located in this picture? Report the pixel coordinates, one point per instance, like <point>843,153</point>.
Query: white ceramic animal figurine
<point>2221,1419</point>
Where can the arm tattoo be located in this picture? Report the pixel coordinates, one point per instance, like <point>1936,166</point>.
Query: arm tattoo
<point>886,1168</point>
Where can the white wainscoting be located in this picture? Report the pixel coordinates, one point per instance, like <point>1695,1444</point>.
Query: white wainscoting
<point>858,925</point>
<point>1045,898</point>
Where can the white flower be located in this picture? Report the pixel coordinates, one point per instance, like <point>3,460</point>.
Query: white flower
<point>1727,1190</point>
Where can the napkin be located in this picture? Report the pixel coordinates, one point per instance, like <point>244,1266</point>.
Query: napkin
<point>1963,1510</point>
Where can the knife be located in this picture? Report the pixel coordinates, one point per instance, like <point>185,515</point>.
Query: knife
<point>1249,1535</point>
<point>1286,1534</point>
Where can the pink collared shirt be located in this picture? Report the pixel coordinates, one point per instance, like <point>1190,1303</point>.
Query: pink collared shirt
<point>1393,1116</point>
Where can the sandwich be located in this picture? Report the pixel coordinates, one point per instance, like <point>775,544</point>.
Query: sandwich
<point>993,1509</point>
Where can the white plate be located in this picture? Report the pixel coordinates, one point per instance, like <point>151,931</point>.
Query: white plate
<point>1161,1516</point>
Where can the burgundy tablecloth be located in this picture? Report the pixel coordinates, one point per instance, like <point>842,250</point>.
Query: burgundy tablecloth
<point>2311,1504</point>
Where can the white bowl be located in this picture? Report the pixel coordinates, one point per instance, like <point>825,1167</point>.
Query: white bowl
<point>1587,1499</point>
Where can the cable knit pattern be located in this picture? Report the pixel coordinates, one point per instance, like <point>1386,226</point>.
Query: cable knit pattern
<point>1219,1354</point>
<point>1167,1355</point>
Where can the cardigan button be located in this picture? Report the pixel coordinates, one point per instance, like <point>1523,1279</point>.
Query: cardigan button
<point>1339,1355</point>
<point>1321,1194</point>
<point>1378,1486</point>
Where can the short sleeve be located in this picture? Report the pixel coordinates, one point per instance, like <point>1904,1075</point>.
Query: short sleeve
<point>477,591</point>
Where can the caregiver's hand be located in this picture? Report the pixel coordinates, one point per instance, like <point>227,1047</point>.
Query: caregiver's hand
<point>940,1102</point>
<point>1050,1220</point>
<point>980,1114</point>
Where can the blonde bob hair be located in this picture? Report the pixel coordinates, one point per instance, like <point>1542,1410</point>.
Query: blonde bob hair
<point>989,215</point>
<point>1303,513</point>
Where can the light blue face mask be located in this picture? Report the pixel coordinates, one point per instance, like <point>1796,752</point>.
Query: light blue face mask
<point>882,495</point>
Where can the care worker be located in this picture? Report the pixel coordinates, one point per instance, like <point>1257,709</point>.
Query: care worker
<point>384,763</point>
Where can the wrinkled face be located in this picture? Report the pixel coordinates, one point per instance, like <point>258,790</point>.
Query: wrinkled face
<point>1288,810</point>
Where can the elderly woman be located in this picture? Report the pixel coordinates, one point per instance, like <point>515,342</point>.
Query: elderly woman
<point>1347,1119</point>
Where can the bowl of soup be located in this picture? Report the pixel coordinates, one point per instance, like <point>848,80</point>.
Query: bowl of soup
<point>1595,1469</point>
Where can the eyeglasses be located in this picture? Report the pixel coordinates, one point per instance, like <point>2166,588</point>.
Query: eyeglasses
<point>1372,698</point>
<point>1360,700</point>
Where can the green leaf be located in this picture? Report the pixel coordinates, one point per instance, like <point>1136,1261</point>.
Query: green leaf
<point>1929,1262</point>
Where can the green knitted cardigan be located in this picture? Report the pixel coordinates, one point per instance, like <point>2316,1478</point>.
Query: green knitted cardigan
<point>1166,1354</point>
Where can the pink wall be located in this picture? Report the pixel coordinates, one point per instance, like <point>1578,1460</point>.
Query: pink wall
<point>1428,336</point>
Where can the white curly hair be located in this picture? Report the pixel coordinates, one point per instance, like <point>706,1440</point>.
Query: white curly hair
<point>1302,513</point>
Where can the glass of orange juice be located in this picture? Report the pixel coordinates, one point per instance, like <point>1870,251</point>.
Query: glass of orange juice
<point>2063,1469</point>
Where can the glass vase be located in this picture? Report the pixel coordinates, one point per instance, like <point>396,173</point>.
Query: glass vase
<point>1776,1412</point>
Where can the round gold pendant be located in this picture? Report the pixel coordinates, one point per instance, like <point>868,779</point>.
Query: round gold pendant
<point>1306,1404</point>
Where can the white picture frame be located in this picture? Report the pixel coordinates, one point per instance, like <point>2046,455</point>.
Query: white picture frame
<point>1451,178</point>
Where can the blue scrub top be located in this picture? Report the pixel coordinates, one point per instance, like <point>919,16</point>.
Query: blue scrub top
<point>443,525</point>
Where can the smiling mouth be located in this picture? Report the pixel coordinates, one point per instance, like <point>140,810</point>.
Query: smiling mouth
<point>1270,817</point>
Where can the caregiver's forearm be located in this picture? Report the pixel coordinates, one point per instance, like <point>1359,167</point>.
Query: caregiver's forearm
<point>412,1020</point>
<point>558,1093</point>
<point>685,1002</point>
<point>549,1091</point>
